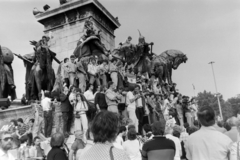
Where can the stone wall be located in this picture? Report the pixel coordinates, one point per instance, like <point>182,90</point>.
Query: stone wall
<point>65,39</point>
<point>25,112</point>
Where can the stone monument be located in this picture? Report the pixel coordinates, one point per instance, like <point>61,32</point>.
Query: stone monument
<point>65,25</point>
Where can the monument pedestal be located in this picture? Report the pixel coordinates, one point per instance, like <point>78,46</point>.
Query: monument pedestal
<point>66,25</point>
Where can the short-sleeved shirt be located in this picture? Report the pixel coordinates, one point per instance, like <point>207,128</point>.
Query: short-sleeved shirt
<point>77,144</point>
<point>89,95</point>
<point>101,151</point>
<point>129,104</point>
<point>207,143</point>
<point>159,146</point>
<point>46,104</point>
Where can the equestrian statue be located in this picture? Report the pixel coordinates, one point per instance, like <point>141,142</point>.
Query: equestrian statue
<point>39,72</point>
<point>145,62</point>
<point>7,86</point>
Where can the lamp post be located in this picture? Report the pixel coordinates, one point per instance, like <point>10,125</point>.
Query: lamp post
<point>219,105</point>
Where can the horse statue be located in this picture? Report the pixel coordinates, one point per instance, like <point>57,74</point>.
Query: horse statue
<point>145,61</point>
<point>163,64</point>
<point>7,86</point>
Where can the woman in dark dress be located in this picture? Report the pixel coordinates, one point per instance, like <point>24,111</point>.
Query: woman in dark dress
<point>100,100</point>
<point>57,153</point>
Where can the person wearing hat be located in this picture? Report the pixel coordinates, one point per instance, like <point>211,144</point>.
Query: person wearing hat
<point>93,71</point>
<point>78,144</point>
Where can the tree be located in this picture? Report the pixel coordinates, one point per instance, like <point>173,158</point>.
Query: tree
<point>235,104</point>
<point>209,99</point>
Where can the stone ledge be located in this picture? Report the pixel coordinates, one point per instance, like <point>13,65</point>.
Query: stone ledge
<point>73,5</point>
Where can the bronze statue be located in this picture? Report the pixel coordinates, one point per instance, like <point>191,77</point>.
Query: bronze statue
<point>146,62</point>
<point>163,64</point>
<point>7,86</point>
<point>90,45</point>
<point>39,72</point>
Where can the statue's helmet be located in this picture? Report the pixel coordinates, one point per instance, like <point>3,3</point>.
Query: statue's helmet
<point>141,38</point>
<point>7,55</point>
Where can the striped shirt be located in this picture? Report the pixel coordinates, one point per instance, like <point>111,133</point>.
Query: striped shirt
<point>159,148</point>
<point>23,129</point>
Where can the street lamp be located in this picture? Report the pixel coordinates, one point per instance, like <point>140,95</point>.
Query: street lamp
<point>219,105</point>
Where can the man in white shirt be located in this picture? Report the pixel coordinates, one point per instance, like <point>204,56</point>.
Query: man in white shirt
<point>89,94</point>
<point>207,142</point>
<point>114,71</point>
<point>165,107</point>
<point>119,140</point>
<point>233,132</point>
<point>47,110</point>
<point>131,106</point>
<point>5,146</point>
<point>168,133</point>
<point>93,72</point>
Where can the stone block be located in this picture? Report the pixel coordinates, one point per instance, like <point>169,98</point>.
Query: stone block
<point>72,45</point>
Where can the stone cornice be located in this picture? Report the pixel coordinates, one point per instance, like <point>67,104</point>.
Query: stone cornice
<point>74,5</point>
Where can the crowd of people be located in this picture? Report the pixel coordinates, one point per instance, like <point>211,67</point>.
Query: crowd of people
<point>115,113</point>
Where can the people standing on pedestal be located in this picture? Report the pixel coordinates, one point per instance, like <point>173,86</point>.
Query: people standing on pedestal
<point>57,115</point>
<point>65,71</point>
<point>81,75</point>
<point>103,70</point>
<point>93,72</point>
<point>65,105</point>
<point>89,94</point>
<point>47,111</point>
<point>113,69</point>
<point>131,106</point>
<point>72,70</point>
<point>81,122</point>
<point>100,100</point>
<point>112,98</point>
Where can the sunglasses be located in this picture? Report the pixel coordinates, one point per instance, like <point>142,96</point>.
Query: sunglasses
<point>7,139</point>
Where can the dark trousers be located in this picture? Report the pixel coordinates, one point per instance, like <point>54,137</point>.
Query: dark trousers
<point>140,114</point>
<point>65,122</point>
<point>70,119</point>
<point>48,121</point>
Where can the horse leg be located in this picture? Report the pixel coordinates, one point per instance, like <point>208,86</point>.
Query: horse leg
<point>168,73</point>
<point>38,79</point>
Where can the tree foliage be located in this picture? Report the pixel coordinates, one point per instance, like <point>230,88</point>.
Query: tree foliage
<point>209,99</point>
<point>235,103</point>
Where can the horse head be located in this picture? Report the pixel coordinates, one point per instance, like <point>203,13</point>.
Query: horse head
<point>182,58</point>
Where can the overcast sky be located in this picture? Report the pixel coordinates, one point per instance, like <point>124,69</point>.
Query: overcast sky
<point>204,30</point>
